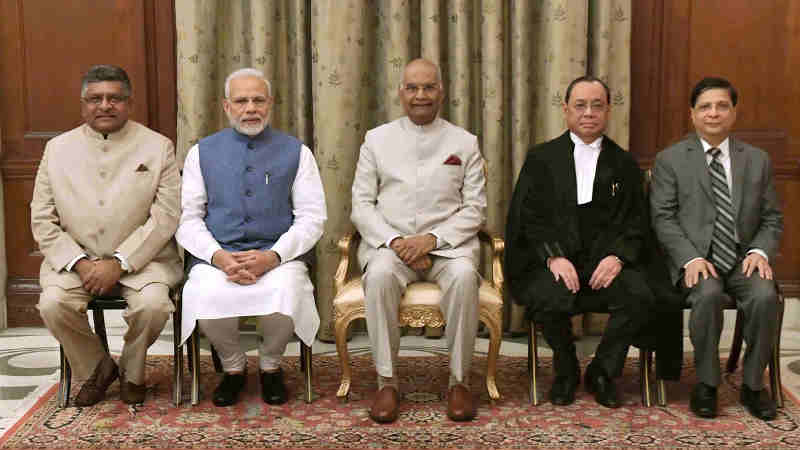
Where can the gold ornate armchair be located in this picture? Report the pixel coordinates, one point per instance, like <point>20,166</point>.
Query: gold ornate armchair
<point>418,308</point>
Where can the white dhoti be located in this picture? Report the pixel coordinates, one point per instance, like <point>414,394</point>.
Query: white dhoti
<point>285,290</point>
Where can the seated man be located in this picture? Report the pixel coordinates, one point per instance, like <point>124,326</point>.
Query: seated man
<point>717,215</point>
<point>418,202</point>
<point>575,233</point>
<point>253,207</point>
<point>104,209</point>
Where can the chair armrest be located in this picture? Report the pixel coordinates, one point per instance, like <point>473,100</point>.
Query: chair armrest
<point>497,245</point>
<point>345,244</point>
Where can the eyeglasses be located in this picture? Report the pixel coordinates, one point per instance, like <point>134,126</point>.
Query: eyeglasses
<point>241,102</point>
<point>112,99</point>
<point>412,88</point>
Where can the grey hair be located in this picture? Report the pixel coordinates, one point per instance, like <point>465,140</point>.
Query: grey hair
<point>106,72</point>
<point>246,72</point>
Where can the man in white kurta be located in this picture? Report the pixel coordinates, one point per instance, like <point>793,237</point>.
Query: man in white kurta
<point>418,202</point>
<point>241,185</point>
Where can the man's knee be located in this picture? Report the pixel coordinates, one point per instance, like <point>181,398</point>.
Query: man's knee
<point>764,295</point>
<point>381,271</point>
<point>707,294</point>
<point>152,300</point>
<point>463,273</point>
<point>50,302</point>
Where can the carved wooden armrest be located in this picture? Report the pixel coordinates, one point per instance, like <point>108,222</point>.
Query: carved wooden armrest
<point>498,246</point>
<point>340,278</point>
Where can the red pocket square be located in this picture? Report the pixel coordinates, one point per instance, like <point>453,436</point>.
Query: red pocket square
<point>453,160</point>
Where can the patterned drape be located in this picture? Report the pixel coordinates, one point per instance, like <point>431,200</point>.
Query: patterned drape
<point>335,66</point>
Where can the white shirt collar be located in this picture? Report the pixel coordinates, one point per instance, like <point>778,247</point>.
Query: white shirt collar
<point>723,146</point>
<point>594,145</point>
<point>428,127</point>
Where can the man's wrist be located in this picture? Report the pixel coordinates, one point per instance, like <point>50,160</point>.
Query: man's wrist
<point>619,260</point>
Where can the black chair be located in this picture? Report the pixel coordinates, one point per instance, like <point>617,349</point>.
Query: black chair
<point>98,306</point>
<point>736,348</point>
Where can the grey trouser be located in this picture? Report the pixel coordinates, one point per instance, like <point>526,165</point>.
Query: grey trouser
<point>757,299</point>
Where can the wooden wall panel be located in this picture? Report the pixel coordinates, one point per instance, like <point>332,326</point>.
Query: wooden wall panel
<point>44,51</point>
<point>756,45</point>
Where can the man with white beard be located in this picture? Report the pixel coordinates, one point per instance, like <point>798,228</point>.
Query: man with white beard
<point>253,208</point>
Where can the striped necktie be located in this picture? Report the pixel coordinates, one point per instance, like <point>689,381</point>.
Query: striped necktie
<point>723,240</point>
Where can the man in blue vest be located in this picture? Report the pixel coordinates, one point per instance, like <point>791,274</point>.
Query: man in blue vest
<point>253,207</point>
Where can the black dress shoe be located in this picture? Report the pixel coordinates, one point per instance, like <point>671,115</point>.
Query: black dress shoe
<point>704,401</point>
<point>758,403</point>
<point>563,390</point>
<point>273,391</point>
<point>603,387</point>
<point>227,393</point>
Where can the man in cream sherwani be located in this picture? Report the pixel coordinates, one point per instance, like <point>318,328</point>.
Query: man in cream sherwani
<point>418,201</point>
<point>253,208</point>
<point>104,209</point>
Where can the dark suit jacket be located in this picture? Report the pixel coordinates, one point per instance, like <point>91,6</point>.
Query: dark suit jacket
<point>543,222</point>
<point>683,209</point>
<point>543,217</point>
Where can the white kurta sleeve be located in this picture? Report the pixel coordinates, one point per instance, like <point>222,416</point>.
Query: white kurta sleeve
<point>310,213</point>
<point>192,234</point>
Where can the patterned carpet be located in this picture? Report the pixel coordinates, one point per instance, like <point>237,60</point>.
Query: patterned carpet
<point>327,423</point>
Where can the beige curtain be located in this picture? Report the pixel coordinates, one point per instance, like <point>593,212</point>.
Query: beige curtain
<point>335,66</point>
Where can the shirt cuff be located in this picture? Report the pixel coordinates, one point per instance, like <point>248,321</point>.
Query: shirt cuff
<point>760,252</point>
<point>75,261</point>
<point>691,261</point>
<point>388,242</point>
<point>122,262</point>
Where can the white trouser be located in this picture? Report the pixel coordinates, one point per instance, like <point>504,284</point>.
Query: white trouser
<point>385,280</point>
<point>276,331</point>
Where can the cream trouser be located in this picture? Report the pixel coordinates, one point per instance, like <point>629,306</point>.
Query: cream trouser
<point>64,314</point>
<point>385,280</point>
<point>276,331</point>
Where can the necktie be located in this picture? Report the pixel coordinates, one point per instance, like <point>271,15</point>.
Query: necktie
<point>723,241</point>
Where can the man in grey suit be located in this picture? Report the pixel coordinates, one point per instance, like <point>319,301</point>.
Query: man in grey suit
<point>418,202</point>
<point>716,213</point>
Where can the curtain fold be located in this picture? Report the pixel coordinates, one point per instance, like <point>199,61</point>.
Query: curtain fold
<point>335,66</point>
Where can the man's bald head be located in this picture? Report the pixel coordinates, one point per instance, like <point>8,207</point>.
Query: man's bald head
<point>421,91</point>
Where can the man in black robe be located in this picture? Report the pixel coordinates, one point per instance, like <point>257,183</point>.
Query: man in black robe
<point>576,232</point>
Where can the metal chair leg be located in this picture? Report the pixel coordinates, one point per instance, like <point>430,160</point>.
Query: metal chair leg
<point>65,379</point>
<point>662,393</point>
<point>533,364</point>
<point>100,327</point>
<point>305,362</point>
<point>645,359</point>
<point>177,363</point>
<point>195,357</point>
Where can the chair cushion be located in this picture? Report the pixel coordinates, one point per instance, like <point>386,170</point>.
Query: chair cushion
<point>422,293</point>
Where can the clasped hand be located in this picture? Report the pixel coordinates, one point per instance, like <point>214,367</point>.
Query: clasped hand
<point>245,267</point>
<point>413,250</point>
<point>100,276</point>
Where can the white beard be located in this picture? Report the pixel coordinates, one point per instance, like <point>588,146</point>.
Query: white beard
<point>248,130</point>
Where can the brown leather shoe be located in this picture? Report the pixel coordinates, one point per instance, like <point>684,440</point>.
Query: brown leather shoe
<point>385,406</point>
<point>460,406</point>
<point>95,387</point>
<point>131,393</point>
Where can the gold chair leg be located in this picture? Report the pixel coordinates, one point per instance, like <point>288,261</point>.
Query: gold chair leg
<point>344,359</point>
<point>495,339</point>
<point>645,358</point>
<point>195,357</point>
<point>65,379</point>
<point>533,365</point>
<point>305,350</point>
<point>662,393</point>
